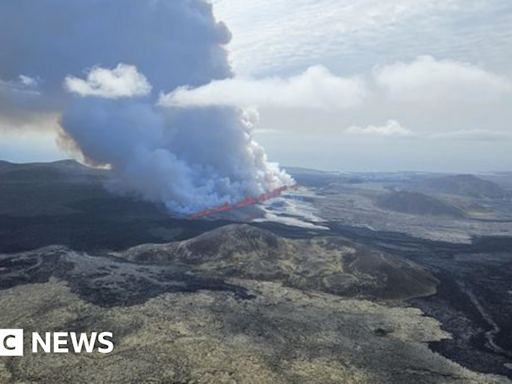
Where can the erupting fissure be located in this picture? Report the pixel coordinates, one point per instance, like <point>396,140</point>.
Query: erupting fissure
<point>249,200</point>
<point>108,104</point>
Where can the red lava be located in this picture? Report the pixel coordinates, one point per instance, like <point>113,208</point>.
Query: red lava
<point>249,200</point>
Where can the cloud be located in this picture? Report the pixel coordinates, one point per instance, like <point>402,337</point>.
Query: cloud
<point>422,81</point>
<point>473,135</point>
<point>316,88</point>
<point>19,99</point>
<point>347,35</point>
<point>429,80</point>
<point>392,128</point>
<point>122,81</point>
<point>28,81</point>
<point>23,86</point>
<point>180,49</point>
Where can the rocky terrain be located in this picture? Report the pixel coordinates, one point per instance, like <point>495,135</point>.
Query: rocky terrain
<point>282,335</point>
<point>328,264</point>
<point>370,204</point>
<point>373,294</point>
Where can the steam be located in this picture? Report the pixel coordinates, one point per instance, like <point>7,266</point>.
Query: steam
<point>103,63</point>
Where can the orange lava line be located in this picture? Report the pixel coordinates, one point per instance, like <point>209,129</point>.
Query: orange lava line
<point>249,200</point>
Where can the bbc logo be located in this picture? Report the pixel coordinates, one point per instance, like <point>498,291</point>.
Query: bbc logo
<point>11,342</point>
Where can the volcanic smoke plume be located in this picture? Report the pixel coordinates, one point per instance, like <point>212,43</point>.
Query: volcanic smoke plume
<point>102,65</point>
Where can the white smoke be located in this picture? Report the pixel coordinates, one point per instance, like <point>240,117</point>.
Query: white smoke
<point>103,63</point>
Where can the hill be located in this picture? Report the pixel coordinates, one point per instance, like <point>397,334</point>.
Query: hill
<point>417,204</point>
<point>468,186</point>
<point>59,171</point>
<point>329,264</point>
<point>48,188</point>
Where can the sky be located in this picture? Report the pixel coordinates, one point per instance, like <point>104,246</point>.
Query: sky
<point>367,85</point>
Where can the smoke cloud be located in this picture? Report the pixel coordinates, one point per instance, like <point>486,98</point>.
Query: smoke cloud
<point>102,65</point>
